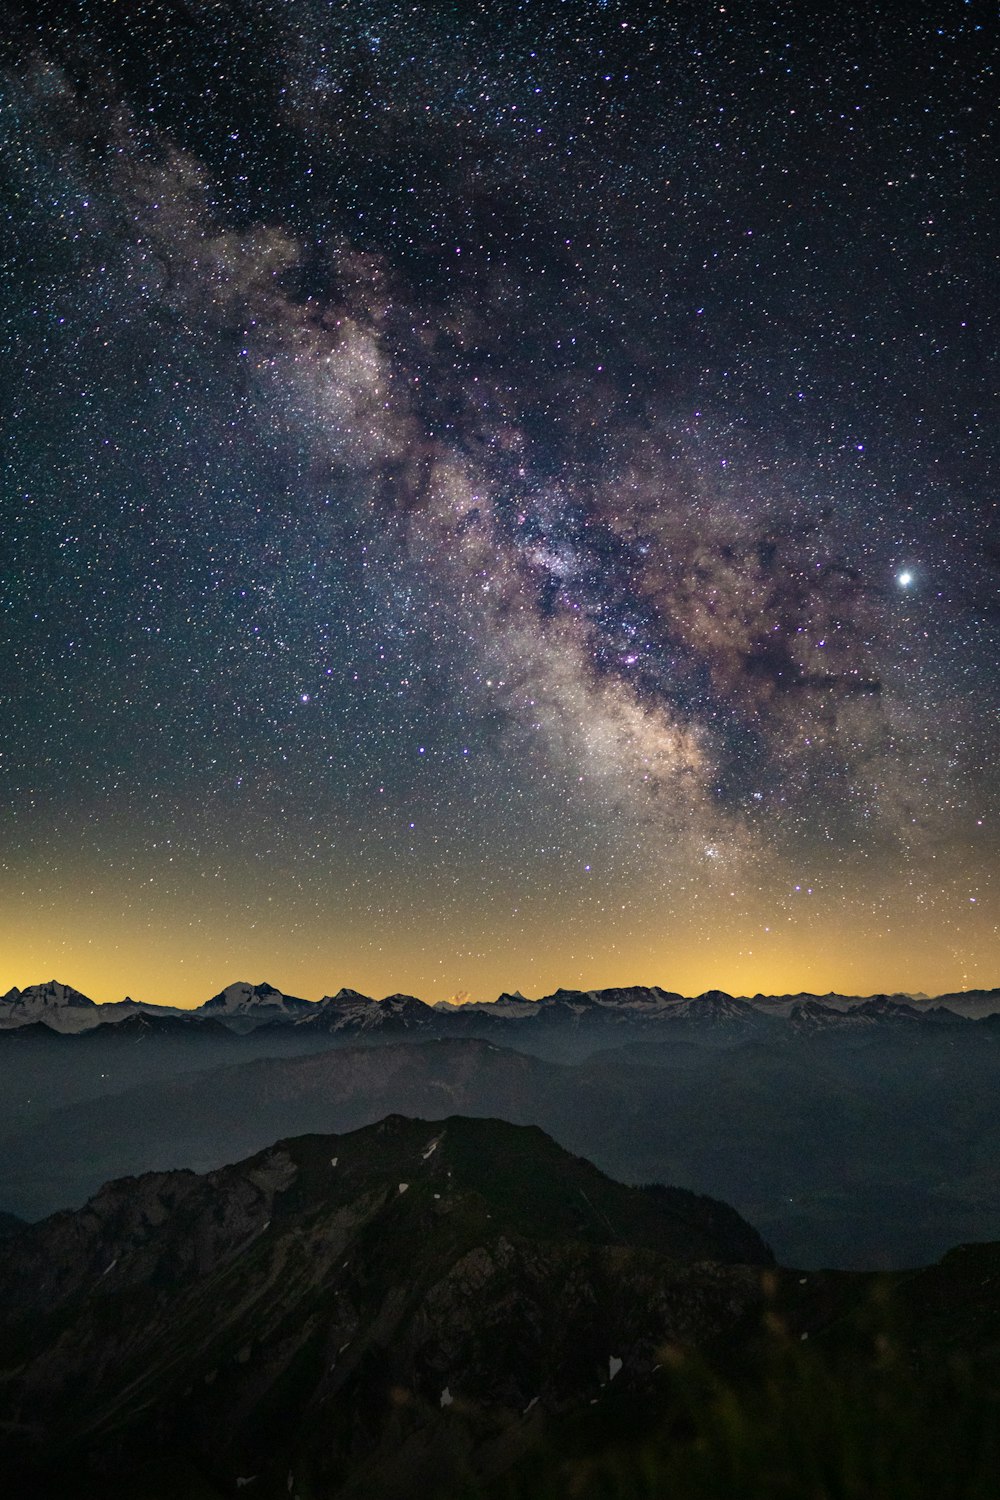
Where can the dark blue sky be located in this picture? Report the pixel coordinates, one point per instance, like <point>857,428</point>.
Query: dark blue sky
<point>499,496</point>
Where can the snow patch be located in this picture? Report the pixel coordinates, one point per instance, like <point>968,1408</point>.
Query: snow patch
<point>109,1268</point>
<point>403,1186</point>
<point>447,1399</point>
<point>334,1160</point>
<point>431,1148</point>
<point>614,1365</point>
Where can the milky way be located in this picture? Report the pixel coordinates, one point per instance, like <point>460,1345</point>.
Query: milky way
<point>499,496</point>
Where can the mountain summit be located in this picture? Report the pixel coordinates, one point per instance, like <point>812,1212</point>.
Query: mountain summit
<point>54,1002</point>
<point>317,1310</point>
<point>254,1003</point>
<point>582,1018</point>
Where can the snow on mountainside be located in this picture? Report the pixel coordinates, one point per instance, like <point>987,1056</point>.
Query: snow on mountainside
<point>57,1004</point>
<point>514,1006</point>
<point>715,1008</point>
<point>350,1011</point>
<point>633,1003</point>
<point>255,1003</point>
<point>881,1010</point>
<point>122,1010</point>
<point>636,998</point>
<point>243,1007</point>
<point>64,1009</point>
<point>240,1005</point>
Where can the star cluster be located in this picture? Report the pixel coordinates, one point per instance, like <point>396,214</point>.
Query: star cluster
<point>499,495</point>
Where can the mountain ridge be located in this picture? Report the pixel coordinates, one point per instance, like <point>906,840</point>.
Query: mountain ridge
<point>242,1005</point>
<point>320,1306</point>
<point>882,1153</point>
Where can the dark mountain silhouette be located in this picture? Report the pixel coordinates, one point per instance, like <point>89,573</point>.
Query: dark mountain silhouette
<point>391,1304</point>
<point>855,1148</point>
<point>10,1224</point>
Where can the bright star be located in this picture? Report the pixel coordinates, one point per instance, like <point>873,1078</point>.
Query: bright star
<point>904,579</point>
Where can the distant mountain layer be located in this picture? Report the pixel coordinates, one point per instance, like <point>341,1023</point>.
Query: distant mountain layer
<point>864,1149</point>
<point>243,1006</point>
<point>853,1133</point>
<point>387,1303</point>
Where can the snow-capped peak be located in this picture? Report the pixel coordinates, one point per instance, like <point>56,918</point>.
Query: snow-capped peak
<point>57,1004</point>
<point>52,995</point>
<point>256,1001</point>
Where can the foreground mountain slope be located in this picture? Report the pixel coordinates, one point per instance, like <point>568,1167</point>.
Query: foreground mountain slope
<point>391,1301</point>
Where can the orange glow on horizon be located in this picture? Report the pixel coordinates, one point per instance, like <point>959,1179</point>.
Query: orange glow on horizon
<point>108,955</point>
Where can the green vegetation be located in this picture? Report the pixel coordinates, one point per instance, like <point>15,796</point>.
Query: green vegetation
<point>416,1307</point>
<point>854,1415</point>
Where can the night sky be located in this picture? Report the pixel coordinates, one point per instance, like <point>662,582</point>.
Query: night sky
<point>499,496</point>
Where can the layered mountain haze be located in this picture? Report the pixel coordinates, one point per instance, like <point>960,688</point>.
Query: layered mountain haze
<point>857,1137</point>
<point>852,1132</point>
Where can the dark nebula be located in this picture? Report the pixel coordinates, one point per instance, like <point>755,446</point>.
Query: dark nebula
<point>499,495</point>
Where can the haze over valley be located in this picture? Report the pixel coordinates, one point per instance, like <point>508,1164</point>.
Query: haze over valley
<point>850,1132</point>
<point>499,534</point>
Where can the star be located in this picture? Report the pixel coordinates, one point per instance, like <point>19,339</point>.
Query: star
<point>564,574</point>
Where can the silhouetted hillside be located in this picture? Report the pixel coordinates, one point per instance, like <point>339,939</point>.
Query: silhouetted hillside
<point>318,1309</point>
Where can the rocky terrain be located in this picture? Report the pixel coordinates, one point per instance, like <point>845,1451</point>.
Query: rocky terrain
<point>855,1133</point>
<point>869,1147</point>
<point>460,1309</point>
<point>352,1314</point>
<point>580,1016</point>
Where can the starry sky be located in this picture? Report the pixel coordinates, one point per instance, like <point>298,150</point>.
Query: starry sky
<point>499,495</point>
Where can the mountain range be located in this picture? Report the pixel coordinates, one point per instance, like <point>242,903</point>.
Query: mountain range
<point>853,1133</point>
<point>450,1257</point>
<point>243,1006</point>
